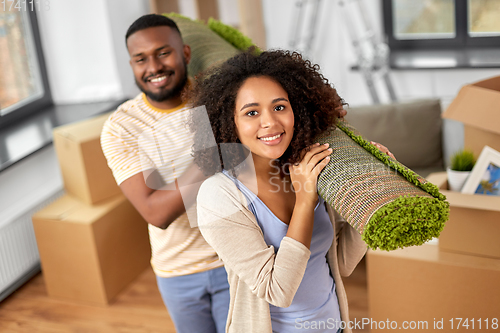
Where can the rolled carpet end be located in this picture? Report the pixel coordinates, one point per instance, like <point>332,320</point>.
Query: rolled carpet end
<point>406,221</point>
<point>387,203</point>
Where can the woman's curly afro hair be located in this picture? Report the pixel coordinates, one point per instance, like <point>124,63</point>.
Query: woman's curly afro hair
<point>315,103</point>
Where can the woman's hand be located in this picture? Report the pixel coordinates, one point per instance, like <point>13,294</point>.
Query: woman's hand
<point>304,175</point>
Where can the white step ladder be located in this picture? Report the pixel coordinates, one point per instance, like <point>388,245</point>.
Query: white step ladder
<point>371,53</point>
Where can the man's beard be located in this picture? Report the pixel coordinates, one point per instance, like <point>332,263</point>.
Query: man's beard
<point>165,94</point>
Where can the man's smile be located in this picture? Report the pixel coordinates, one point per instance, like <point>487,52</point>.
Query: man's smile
<point>159,79</point>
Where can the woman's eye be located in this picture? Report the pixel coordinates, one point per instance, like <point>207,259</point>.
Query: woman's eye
<point>251,113</point>
<point>279,108</point>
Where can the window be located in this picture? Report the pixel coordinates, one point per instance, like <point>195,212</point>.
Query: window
<point>24,87</point>
<point>441,24</point>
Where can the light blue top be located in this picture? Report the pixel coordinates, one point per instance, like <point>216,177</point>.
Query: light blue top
<point>315,303</point>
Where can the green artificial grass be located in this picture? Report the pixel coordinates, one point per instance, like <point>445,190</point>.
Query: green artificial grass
<point>232,35</point>
<point>228,33</point>
<point>408,220</point>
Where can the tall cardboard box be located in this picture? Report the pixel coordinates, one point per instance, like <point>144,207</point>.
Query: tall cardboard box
<point>84,169</point>
<point>474,224</point>
<point>428,290</point>
<point>477,106</point>
<point>90,253</point>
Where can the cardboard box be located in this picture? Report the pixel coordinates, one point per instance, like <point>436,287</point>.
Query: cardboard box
<point>474,224</point>
<point>90,253</point>
<point>477,105</point>
<point>84,169</point>
<point>427,290</point>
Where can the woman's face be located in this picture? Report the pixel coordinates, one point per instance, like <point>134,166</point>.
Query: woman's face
<point>264,117</point>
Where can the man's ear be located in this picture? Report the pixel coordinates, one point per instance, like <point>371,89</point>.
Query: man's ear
<point>187,53</point>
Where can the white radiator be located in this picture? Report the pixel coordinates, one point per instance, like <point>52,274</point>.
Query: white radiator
<point>24,189</point>
<point>19,259</point>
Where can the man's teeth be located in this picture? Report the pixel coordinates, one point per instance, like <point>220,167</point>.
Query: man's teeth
<point>158,79</point>
<point>270,138</point>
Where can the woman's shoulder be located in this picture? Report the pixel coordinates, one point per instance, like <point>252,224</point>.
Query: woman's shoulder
<point>216,181</point>
<point>219,196</point>
<point>217,187</point>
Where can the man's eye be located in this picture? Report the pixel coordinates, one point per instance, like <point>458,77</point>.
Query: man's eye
<point>139,60</point>
<point>279,107</point>
<point>251,113</point>
<point>163,54</point>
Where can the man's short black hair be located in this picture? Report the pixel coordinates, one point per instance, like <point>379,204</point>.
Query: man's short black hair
<point>149,21</point>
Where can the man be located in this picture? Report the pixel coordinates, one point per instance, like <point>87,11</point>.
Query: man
<point>146,141</point>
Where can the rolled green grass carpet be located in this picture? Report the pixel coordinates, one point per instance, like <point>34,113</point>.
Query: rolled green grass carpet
<point>387,203</point>
<point>211,44</point>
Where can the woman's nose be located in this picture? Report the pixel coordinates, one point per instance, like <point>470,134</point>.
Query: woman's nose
<point>267,119</point>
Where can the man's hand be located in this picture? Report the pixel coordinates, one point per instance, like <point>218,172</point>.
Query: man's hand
<point>383,149</point>
<point>342,112</point>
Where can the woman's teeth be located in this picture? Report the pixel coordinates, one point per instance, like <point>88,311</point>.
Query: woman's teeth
<point>270,138</point>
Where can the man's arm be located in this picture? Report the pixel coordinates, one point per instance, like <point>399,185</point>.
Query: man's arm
<point>162,207</point>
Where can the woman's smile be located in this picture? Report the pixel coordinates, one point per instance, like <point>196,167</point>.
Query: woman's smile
<point>272,139</point>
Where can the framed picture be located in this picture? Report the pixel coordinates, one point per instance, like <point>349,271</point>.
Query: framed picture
<point>485,176</point>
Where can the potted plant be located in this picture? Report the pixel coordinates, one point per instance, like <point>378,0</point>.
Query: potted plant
<point>461,165</point>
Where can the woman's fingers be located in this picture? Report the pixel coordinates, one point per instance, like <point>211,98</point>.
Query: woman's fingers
<point>322,164</point>
<point>305,173</point>
<point>311,151</point>
<point>319,157</point>
<point>312,155</point>
<point>306,150</point>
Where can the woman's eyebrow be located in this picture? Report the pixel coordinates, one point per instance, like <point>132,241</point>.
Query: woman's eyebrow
<point>280,99</point>
<point>249,105</point>
<point>257,104</point>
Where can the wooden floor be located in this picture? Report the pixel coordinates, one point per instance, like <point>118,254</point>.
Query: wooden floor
<point>139,308</point>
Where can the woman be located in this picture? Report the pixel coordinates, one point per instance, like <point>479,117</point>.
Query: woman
<point>283,248</point>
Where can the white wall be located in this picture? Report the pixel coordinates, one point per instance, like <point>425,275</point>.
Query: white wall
<point>83,44</point>
<point>229,12</point>
<point>121,14</point>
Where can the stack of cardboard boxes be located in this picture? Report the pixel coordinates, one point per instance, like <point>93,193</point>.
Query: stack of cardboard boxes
<point>453,285</point>
<point>92,241</point>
